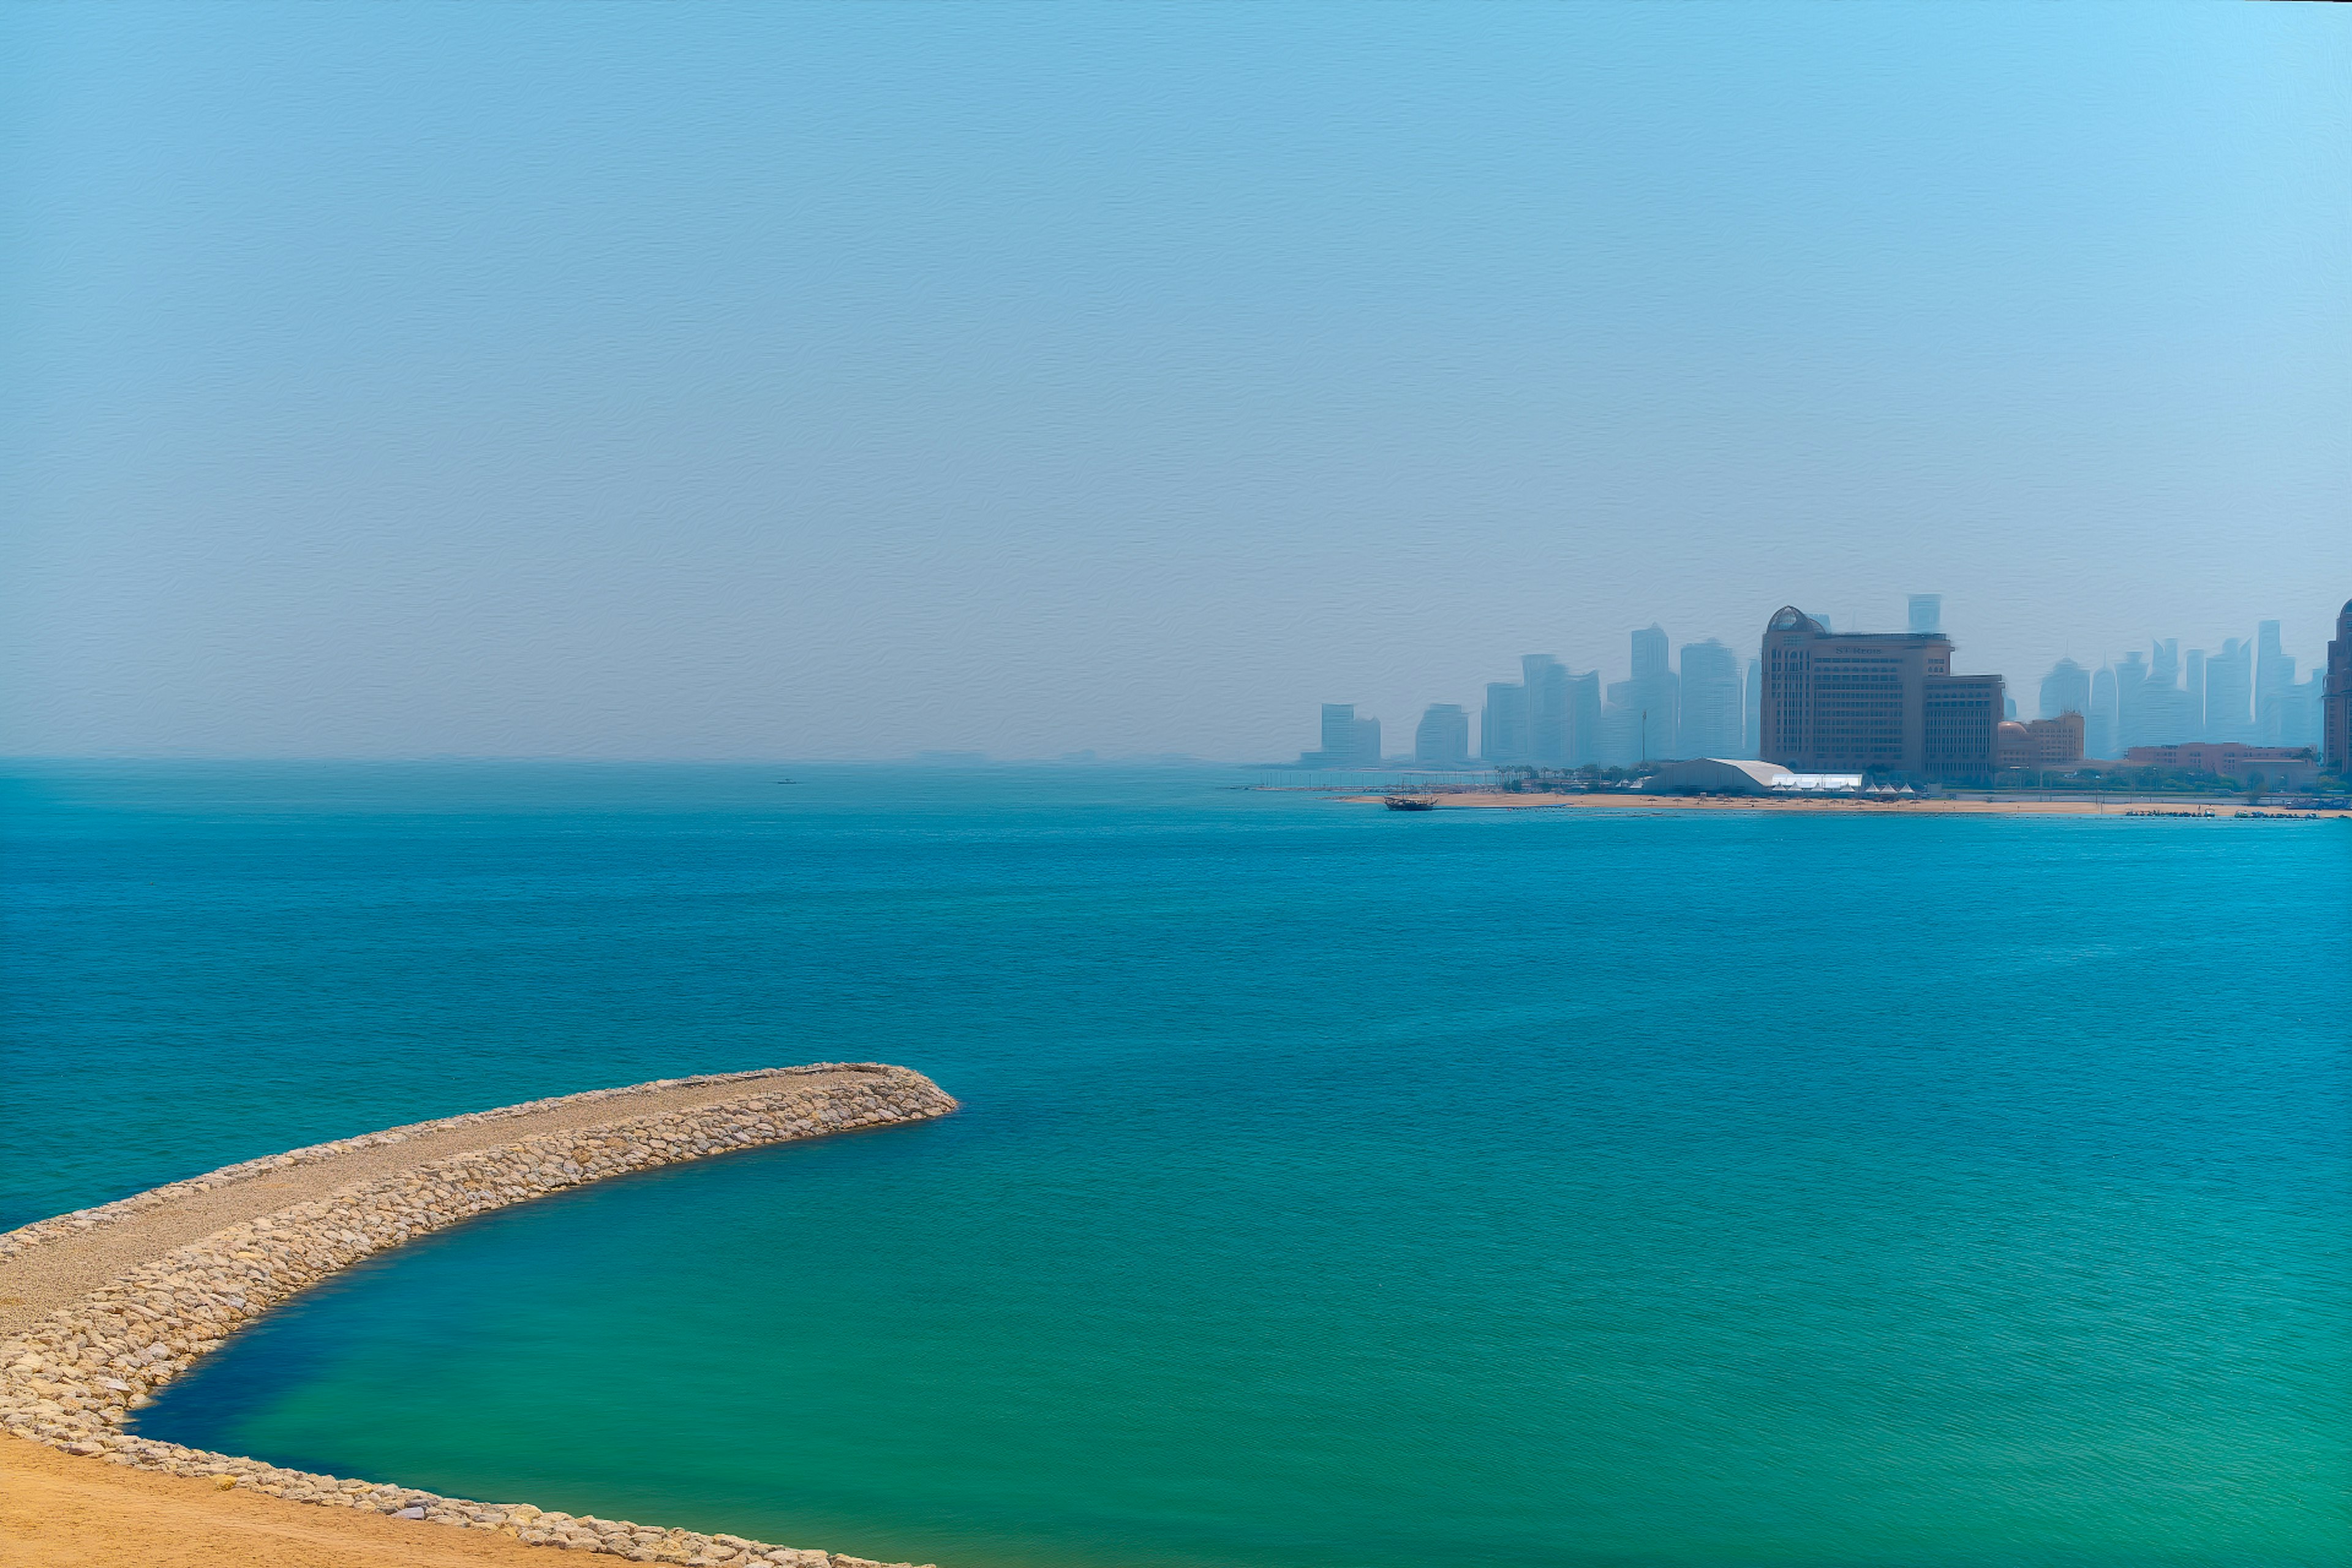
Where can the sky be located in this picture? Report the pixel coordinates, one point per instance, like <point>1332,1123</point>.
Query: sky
<point>818,380</point>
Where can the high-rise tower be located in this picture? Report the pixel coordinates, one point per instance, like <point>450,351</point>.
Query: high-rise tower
<point>2336,724</point>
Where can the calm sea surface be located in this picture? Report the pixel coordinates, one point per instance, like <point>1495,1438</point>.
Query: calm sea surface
<point>1335,1188</point>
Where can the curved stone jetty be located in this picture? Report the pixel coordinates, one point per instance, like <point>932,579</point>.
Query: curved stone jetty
<point>176,1280</point>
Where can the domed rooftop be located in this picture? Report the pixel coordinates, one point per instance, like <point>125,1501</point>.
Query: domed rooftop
<point>1789,619</point>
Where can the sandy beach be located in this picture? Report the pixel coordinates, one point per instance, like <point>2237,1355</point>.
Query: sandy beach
<point>59,1512</point>
<point>1496,800</point>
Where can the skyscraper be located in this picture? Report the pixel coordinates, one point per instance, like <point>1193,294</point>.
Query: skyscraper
<point>1652,700</point>
<point>1442,740</point>
<point>1538,720</point>
<point>2131,674</point>
<point>2335,739</point>
<point>1584,717</point>
<point>2229,696</point>
<point>2164,706</point>
<point>1503,727</point>
<point>2274,679</point>
<point>1545,679</point>
<point>1348,742</point>
<point>1713,702</point>
<point>1926,615</point>
<point>2099,733</point>
<point>2193,669</point>
<point>2067,689</point>
<point>1755,709</point>
<point>2300,707</point>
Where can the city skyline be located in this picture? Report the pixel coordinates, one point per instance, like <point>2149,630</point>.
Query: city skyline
<point>2254,690</point>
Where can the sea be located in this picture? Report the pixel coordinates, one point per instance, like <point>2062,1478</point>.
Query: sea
<point>1333,1187</point>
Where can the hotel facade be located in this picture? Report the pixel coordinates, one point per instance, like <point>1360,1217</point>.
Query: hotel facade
<point>1882,700</point>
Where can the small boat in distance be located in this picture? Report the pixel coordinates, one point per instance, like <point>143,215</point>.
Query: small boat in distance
<point>1409,802</point>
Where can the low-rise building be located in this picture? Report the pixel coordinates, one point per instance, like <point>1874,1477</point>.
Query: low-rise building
<point>2040,744</point>
<point>2281,767</point>
<point>1726,776</point>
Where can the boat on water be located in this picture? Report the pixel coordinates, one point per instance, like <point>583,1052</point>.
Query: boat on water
<point>1409,802</point>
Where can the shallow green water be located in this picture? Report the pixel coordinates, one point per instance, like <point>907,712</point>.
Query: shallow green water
<point>1334,1188</point>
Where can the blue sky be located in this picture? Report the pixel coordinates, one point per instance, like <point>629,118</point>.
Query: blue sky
<point>816,381</point>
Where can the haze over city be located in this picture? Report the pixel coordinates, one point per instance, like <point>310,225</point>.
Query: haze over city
<point>786,386</point>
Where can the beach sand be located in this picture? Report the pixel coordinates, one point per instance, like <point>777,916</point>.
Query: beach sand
<point>58,1512</point>
<point>1496,800</point>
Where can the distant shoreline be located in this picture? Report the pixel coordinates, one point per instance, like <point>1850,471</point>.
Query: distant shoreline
<point>1500,800</point>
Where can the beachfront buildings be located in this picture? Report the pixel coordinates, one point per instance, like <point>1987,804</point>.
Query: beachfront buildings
<point>2279,767</point>
<point>1884,701</point>
<point>2040,744</point>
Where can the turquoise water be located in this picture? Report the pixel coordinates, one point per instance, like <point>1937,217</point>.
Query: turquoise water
<point>1334,1187</point>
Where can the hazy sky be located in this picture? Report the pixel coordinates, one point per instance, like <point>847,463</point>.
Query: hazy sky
<point>796,380</point>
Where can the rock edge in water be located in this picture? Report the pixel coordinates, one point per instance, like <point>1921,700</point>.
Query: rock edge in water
<point>71,1380</point>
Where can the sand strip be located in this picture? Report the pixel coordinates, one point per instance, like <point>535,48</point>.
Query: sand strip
<point>57,1512</point>
<point>1499,800</point>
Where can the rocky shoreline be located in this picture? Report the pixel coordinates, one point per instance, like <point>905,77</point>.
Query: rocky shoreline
<point>71,1380</point>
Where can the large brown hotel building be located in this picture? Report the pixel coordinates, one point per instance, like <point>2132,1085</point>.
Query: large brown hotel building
<point>1884,701</point>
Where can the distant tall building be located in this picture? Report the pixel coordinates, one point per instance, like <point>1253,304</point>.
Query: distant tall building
<point>2065,689</point>
<point>2273,683</point>
<point>2099,736</point>
<point>1926,615</point>
<point>2131,675</point>
<point>1545,680</point>
<point>2299,711</point>
<point>1645,712</point>
<point>1540,720</point>
<point>2193,669</point>
<point>2229,698</point>
<point>1503,726</point>
<point>1623,726</point>
<point>1339,746</point>
<point>1348,742</point>
<point>2164,711</point>
<point>1714,702</point>
<point>1442,740</point>
<point>1884,701</point>
<point>1584,717</point>
<point>2335,739</point>
<point>1750,736</point>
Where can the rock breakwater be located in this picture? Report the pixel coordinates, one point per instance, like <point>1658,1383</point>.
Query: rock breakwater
<point>71,1379</point>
